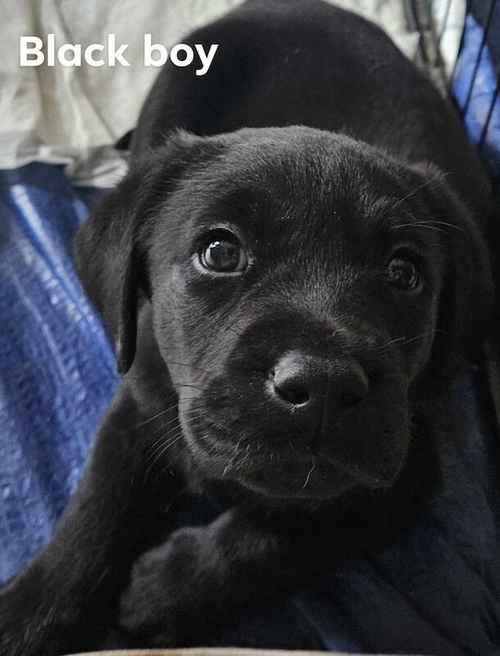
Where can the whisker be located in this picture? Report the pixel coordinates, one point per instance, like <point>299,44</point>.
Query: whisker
<point>244,458</point>
<point>427,183</point>
<point>309,473</point>
<point>172,426</point>
<point>408,340</point>
<point>236,450</point>
<point>159,414</point>
<point>436,226</point>
<point>160,455</point>
<point>191,386</point>
<point>185,364</point>
<point>158,445</point>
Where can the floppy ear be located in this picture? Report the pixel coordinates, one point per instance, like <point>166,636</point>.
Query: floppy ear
<point>107,261</point>
<point>111,247</point>
<point>467,295</point>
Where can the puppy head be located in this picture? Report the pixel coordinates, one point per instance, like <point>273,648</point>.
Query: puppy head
<point>303,287</point>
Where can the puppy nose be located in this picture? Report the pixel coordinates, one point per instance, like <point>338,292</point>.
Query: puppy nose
<point>305,382</point>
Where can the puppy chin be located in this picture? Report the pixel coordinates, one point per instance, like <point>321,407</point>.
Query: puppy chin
<point>313,479</point>
<point>308,488</point>
<point>283,473</point>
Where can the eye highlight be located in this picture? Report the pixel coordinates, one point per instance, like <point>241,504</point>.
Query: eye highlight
<point>402,272</point>
<point>222,252</point>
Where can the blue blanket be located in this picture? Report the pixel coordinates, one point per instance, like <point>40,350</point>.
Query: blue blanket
<point>438,587</point>
<point>57,369</point>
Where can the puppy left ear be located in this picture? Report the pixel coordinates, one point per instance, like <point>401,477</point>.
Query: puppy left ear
<point>467,295</point>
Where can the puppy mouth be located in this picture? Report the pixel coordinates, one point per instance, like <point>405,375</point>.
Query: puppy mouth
<point>317,478</point>
<point>281,473</point>
<point>314,477</point>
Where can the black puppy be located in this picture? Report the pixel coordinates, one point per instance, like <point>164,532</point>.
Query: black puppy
<point>289,306</point>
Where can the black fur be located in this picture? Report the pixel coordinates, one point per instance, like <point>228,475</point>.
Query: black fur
<point>324,149</point>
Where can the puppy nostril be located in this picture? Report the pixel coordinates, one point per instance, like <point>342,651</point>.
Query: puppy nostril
<point>290,380</point>
<point>293,393</point>
<point>310,383</point>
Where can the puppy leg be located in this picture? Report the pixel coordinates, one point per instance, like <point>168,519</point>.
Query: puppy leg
<point>181,590</point>
<point>63,601</point>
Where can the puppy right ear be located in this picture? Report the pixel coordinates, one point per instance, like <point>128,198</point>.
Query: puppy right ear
<point>111,247</point>
<point>107,263</point>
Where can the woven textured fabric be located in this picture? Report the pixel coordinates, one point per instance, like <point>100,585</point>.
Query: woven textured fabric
<point>477,80</point>
<point>57,370</point>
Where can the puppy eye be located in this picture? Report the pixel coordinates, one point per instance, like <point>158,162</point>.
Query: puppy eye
<point>403,273</point>
<point>222,252</point>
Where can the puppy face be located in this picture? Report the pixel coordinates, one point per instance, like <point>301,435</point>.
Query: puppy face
<point>304,287</point>
<point>296,300</point>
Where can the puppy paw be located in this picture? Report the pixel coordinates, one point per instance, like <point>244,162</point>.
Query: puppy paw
<point>161,603</point>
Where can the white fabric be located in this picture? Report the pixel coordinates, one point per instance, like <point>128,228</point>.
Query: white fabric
<point>73,115</point>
